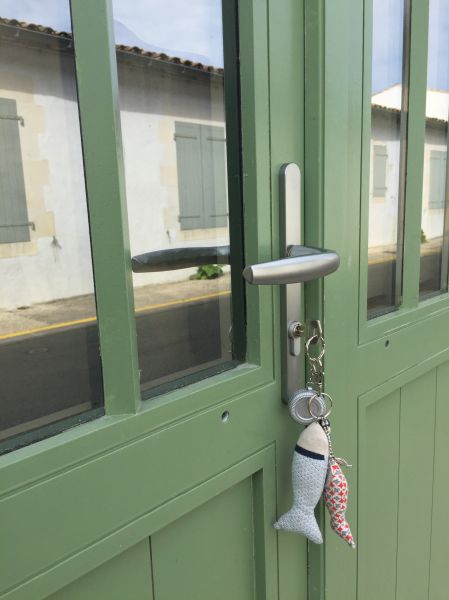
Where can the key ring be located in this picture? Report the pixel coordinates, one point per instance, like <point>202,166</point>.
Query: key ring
<point>314,339</point>
<point>312,398</point>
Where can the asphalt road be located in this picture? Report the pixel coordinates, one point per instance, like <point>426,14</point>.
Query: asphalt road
<point>45,373</point>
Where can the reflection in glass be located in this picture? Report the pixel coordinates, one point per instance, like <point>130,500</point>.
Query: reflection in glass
<point>434,225</point>
<point>49,350</point>
<point>171,81</point>
<point>387,155</point>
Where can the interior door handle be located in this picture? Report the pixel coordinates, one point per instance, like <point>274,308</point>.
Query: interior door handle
<point>180,258</point>
<point>301,264</point>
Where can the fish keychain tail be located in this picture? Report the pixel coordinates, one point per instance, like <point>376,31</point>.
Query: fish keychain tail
<point>336,501</point>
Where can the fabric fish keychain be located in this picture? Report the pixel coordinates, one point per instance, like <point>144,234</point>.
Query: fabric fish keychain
<point>336,491</point>
<point>309,469</point>
<point>315,468</point>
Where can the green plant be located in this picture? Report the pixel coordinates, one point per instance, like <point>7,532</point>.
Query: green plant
<point>208,272</point>
<point>423,237</point>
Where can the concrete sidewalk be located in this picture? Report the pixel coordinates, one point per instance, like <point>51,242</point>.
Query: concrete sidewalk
<point>81,309</point>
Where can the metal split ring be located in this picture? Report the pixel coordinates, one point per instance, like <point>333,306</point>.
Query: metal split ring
<point>322,395</point>
<point>314,340</point>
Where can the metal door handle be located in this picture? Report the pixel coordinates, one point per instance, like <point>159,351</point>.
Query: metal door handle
<point>301,263</point>
<point>180,258</point>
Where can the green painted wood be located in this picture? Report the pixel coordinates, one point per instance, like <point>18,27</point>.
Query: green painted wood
<point>313,180</point>
<point>415,486</point>
<point>439,573</point>
<point>343,69</point>
<point>378,327</point>
<point>96,71</point>
<point>286,115</point>
<point>215,196</point>
<point>132,502</point>
<point>255,147</point>
<point>380,157</point>
<point>190,173</point>
<point>365,157</point>
<point>201,166</point>
<point>370,361</point>
<point>231,60</point>
<point>415,152</point>
<point>126,574</point>
<point>13,203</point>
<point>379,438</point>
<point>437,176</point>
<point>209,552</point>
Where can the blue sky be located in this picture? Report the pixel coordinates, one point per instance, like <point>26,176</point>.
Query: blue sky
<point>190,29</point>
<point>387,44</point>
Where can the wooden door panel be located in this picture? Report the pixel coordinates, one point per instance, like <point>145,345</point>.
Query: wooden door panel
<point>258,469</point>
<point>403,488</point>
<point>417,430</point>
<point>439,551</point>
<point>119,487</point>
<point>125,576</point>
<point>378,485</point>
<point>208,553</point>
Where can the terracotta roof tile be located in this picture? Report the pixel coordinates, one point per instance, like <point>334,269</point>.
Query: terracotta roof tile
<point>160,56</point>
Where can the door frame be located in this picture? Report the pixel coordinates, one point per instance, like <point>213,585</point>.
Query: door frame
<point>36,477</point>
<point>363,360</point>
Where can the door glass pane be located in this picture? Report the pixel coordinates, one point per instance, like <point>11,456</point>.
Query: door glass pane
<point>171,77</point>
<point>434,225</point>
<point>49,350</point>
<point>387,155</point>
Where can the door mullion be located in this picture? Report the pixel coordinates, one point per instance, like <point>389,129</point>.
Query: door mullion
<point>103,163</point>
<point>415,152</point>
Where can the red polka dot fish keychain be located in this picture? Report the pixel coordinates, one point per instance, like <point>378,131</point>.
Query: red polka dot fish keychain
<point>315,468</point>
<point>336,488</point>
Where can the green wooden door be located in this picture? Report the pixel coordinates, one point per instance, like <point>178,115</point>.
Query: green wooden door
<point>145,453</point>
<point>381,79</point>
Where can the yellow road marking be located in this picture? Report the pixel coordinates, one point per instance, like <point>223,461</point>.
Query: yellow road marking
<point>147,308</point>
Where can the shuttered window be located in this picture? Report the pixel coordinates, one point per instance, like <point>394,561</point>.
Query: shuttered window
<point>380,170</point>
<point>202,185</point>
<point>14,226</point>
<point>437,179</point>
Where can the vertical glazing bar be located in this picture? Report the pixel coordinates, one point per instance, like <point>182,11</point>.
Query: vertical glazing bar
<point>445,242</point>
<point>415,154</point>
<point>403,155</point>
<point>233,157</point>
<point>99,114</point>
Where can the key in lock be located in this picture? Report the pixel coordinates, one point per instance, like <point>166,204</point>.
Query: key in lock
<point>295,332</point>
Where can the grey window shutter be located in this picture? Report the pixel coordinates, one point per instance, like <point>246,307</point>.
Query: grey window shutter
<point>380,157</point>
<point>13,207</point>
<point>213,151</point>
<point>437,179</point>
<point>188,157</point>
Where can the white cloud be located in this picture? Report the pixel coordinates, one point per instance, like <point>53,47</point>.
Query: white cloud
<point>188,29</point>
<point>182,28</point>
<point>53,13</point>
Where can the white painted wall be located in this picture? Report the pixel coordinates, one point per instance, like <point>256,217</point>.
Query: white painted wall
<point>383,211</point>
<point>56,263</point>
